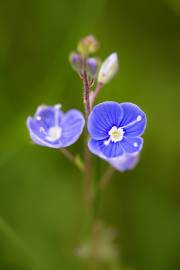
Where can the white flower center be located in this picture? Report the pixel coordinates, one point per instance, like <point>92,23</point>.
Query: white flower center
<point>54,133</point>
<point>116,135</point>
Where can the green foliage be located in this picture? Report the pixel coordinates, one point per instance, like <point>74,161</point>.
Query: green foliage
<point>41,202</point>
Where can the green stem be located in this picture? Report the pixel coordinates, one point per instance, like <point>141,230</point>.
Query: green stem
<point>104,181</point>
<point>97,191</point>
<point>74,159</point>
<point>88,192</point>
<point>95,93</point>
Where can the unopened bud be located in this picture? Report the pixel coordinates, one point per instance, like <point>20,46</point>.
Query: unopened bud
<point>76,62</point>
<point>108,69</point>
<point>92,67</point>
<point>88,45</point>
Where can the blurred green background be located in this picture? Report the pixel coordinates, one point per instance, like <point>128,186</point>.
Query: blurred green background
<point>41,202</point>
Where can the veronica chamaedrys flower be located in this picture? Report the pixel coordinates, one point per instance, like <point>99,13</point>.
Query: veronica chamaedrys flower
<point>53,128</point>
<point>108,69</point>
<point>115,129</point>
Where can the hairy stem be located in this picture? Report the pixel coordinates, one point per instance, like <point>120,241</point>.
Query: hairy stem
<point>87,155</point>
<point>86,91</point>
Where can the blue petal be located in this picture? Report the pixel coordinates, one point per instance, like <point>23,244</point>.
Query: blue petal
<point>49,115</point>
<point>130,123</point>
<point>125,162</point>
<point>94,148</point>
<point>38,136</point>
<point>72,127</point>
<point>132,145</point>
<point>103,117</point>
<point>105,151</point>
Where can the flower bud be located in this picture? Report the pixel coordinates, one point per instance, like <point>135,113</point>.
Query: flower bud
<point>108,69</point>
<point>88,45</point>
<point>92,67</point>
<point>76,62</point>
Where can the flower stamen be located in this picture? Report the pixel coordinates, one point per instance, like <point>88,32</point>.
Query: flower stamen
<point>56,116</point>
<point>53,133</point>
<point>138,119</point>
<point>116,135</point>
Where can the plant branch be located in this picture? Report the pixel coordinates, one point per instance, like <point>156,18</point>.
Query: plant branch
<point>88,192</point>
<point>95,93</point>
<point>87,155</point>
<point>104,181</point>
<point>74,159</point>
<point>86,90</point>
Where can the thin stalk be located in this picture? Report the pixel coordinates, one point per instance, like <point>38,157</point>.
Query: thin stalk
<point>88,192</point>
<point>74,159</point>
<point>95,93</point>
<point>104,181</point>
<point>97,191</point>
<point>86,90</point>
<point>87,155</point>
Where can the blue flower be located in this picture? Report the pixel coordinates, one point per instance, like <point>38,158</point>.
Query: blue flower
<point>125,162</point>
<point>53,128</point>
<point>115,129</point>
<point>122,163</point>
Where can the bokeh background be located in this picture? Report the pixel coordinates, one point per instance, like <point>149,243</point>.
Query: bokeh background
<point>41,200</point>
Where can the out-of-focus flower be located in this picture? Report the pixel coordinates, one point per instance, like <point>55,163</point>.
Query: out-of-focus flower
<point>108,69</point>
<point>92,67</point>
<point>115,129</point>
<point>102,247</point>
<point>88,45</point>
<point>53,128</point>
<point>125,162</point>
<point>76,62</point>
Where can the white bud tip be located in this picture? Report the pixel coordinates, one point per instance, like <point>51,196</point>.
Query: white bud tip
<point>108,68</point>
<point>57,106</point>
